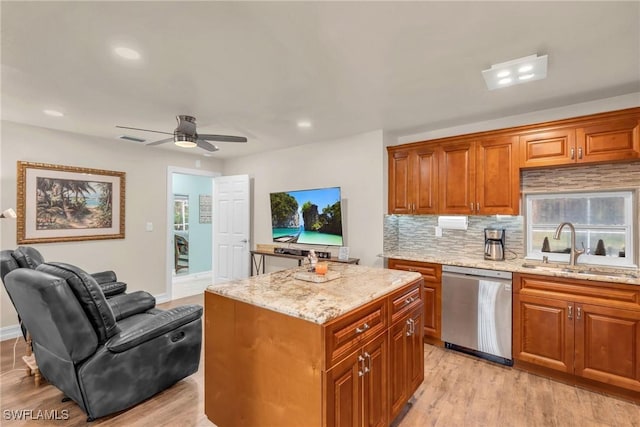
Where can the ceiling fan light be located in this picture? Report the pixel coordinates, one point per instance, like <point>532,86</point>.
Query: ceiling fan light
<point>184,141</point>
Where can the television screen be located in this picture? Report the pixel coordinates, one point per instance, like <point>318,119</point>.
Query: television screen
<point>311,217</point>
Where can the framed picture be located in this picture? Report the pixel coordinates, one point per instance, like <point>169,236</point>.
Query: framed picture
<point>66,203</point>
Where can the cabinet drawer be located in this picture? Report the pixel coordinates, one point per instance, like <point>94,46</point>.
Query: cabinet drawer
<point>430,272</point>
<point>345,334</point>
<point>584,291</point>
<point>405,300</point>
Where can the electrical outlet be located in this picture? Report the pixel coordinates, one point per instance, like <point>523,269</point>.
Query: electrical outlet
<point>438,231</point>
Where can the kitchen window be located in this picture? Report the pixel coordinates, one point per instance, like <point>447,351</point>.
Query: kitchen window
<point>603,221</point>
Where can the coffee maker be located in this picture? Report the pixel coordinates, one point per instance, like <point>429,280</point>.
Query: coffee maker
<point>494,244</point>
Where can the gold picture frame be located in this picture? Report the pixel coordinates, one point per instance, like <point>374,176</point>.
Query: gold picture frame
<point>67,203</point>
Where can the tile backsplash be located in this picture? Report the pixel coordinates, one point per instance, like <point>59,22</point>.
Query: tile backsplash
<point>416,233</point>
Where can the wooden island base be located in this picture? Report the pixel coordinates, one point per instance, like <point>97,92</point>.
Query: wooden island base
<point>261,367</point>
<point>267,368</point>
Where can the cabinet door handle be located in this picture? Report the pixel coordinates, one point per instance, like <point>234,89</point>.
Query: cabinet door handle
<point>361,371</point>
<point>570,308</point>
<point>368,358</point>
<point>578,313</point>
<point>471,206</point>
<point>411,328</point>
<point>409,300</point>
<point>478,207</point>
<point>573,154</point>
<point>360,330</point>
<point>580,152</point>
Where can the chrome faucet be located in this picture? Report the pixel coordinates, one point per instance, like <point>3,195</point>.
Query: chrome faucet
<point>575,253</point>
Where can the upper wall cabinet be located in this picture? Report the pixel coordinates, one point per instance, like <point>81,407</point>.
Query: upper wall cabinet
<point>480,177</point>
<point>595,141</point>
<point>462,177</point>
<point>413,180</point>
<point>479,174</point>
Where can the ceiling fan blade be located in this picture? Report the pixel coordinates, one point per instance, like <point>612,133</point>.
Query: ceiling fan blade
<point>207,146</point>
<point>146,130</point>
<point>162,141</point>
<point>222,138</point>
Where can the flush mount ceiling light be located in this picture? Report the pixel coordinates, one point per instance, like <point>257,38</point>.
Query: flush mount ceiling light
<point>126,52</point>
<point>304,124</point>
<point>516,71</point>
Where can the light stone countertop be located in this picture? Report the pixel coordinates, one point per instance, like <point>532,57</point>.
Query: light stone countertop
<point>517,265</point>
<point>316,302</point>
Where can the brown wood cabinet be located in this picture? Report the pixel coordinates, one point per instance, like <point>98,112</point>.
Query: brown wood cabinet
<point>588,330</point>
<point>594,141</point>
<point>413,181</point>
<point>432,275</point>
<point>406,361</point>
<point>458,177</point>
<point>267,368</point>
<point>357,387</point>
<point>479,173</point>
<point>480,177</point>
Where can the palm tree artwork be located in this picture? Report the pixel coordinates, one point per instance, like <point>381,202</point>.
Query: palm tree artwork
<point>73,204</point>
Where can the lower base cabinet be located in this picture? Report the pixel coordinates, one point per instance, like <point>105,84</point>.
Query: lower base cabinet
<point>268,368</point>
<point>584,330</point>
<point>356,387</point>
<point>432,275</point>
<point>371,385</point>
<point>406,359</point>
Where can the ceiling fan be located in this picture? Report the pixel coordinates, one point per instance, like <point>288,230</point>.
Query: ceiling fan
<point>185,135</point>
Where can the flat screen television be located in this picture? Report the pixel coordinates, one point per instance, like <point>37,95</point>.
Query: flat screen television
<point>312,217</point>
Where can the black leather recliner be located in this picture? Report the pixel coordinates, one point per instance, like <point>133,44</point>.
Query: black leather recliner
<point>103,364</point>
<point>122,304</point>
<point>30,257</point>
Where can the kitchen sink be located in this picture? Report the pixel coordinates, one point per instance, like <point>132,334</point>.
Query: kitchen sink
<point>581,270</point>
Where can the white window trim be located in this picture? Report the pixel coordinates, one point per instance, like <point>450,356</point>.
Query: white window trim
<point>630,240</point>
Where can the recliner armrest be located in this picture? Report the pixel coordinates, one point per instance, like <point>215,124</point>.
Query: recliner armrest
<point>125,305</point>
<point>109,284</point>
<point>105,277</point>
<point>149,329</point>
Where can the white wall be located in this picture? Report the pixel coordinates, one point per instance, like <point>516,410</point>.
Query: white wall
<point>139,259</point>
<point>355,164</point>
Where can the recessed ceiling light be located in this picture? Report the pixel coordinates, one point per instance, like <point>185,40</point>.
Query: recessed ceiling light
<point>53,113</point>
<point>126,52</point>
<point>528,68</point>
<point>304,124</point>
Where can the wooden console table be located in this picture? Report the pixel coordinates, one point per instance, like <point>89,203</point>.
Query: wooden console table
<point>258,260</point>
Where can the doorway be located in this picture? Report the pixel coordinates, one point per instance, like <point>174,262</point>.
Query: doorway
<point>189,231</point>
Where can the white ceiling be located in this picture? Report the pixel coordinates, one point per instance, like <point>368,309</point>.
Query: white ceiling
<point>255,68</point>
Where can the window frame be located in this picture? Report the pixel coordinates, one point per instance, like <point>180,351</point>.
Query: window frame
<point>631,223</point>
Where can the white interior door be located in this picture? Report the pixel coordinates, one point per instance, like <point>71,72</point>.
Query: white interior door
<point>231,227</point>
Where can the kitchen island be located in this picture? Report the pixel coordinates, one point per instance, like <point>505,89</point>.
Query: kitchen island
<point>281,351</point>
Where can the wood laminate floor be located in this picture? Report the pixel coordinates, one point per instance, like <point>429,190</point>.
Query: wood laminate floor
<point>458,390</point>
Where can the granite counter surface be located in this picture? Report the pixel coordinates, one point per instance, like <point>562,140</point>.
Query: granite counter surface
<point>520,265</point>
<point>316,302</point>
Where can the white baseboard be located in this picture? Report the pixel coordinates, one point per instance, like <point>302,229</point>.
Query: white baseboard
<point>10,332</point>
<point>162,298</point>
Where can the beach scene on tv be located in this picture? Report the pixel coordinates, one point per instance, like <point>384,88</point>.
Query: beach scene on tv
<point>307,216</point>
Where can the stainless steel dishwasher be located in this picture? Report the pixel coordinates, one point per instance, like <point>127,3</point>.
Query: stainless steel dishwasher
<point>476,312</point>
